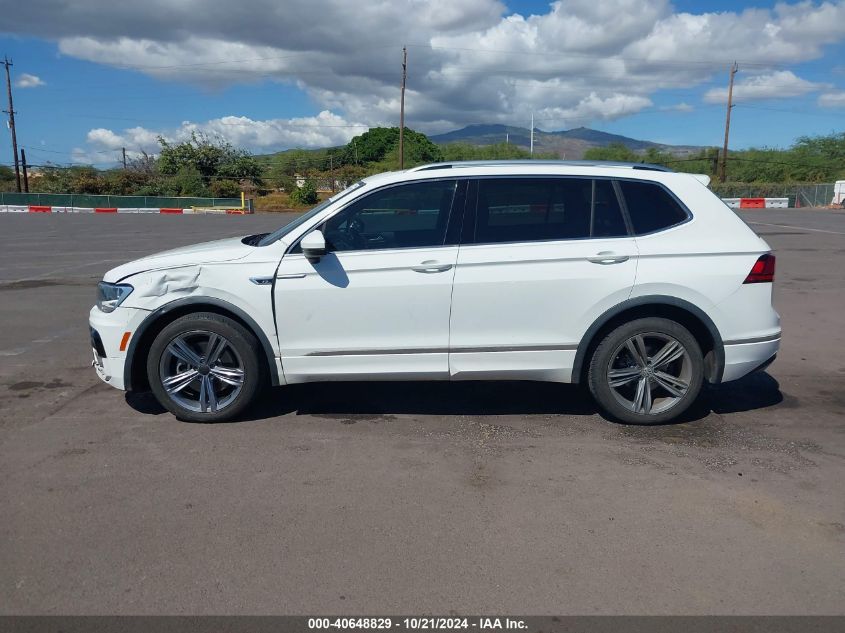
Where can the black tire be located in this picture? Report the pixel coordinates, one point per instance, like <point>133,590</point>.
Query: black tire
<point>242,372</point>
<point>612,354</point>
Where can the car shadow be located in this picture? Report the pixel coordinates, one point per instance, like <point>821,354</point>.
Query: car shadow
<point>426,398</point>
<point>756,391</point>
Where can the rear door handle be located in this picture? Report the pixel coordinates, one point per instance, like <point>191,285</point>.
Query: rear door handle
<point>431,266</point>
<point>608,257</point>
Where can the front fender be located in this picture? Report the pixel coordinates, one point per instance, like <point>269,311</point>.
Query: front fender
<point>200,303</point>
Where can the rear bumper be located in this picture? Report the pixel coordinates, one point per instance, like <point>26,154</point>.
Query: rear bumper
<point>743,358</point>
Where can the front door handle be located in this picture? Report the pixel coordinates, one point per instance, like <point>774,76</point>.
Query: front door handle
<point>431,266</point>
<point>608,257</point>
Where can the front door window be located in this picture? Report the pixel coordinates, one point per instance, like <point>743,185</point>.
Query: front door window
<point>414,215</point>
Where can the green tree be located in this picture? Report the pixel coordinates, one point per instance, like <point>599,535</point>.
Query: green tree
<point>188,181</point>
<point>823,156</point>
<point>225,189</point>
<point>209,158</point>
<point>285,165</point>
<point>419,149</point>
<point>240,165</point>
<point>371,146</point>
<point>380,145</point>
<point>86,180</point>
<point>282,181</point>
<point>495,151</point>
<point>306,194</point>
<point>7,178</point>
<point>125,182</point>
<point>615,151</point>
<point>55,180</point>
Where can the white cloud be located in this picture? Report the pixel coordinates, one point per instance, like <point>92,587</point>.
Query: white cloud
<point>29,81</point>
<point>776,85</point>
<point>593,107</point>
<point>832,100</point>
<point>678,107</point>
<point>262,136</point>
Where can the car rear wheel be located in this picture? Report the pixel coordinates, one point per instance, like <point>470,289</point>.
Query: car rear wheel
<point>204,367</point>
<point>648,371</point>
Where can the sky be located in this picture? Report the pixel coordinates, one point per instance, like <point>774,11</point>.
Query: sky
<point>92,76</point>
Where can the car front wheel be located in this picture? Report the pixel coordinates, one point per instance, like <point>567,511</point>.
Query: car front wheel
<point>648,371</point>
<point>204,367</point>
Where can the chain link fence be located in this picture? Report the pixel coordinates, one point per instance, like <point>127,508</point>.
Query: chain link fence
<point>815,195</point>
<point>799,194</point>
<point>108,202</point>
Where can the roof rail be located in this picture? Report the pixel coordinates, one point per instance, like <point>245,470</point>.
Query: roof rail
<point>539,163</point>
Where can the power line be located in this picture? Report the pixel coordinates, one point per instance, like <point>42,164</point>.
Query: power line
<point>792,111</point>
<point>64,152</point>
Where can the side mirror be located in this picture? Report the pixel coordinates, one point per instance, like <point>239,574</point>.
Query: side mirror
<point>313,246</point>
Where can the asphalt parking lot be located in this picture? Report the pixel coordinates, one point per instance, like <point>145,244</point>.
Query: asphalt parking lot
<point>411,498</point>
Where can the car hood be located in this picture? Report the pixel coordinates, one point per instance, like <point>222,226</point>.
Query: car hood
<point>225,250</point>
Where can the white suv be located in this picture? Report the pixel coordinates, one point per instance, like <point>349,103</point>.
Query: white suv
<point>632,279</point>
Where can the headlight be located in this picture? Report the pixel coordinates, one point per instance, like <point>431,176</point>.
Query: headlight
<point>109,296</point>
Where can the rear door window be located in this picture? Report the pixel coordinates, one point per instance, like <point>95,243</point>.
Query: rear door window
<point>543,209</point>
<point>607,216</point>
<point>650,206</point>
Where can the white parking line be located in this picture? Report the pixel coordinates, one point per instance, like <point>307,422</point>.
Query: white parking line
<point>800,228</point>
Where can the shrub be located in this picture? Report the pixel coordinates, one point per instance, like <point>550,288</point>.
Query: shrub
<point>306,194</point>
<point>225,189</point>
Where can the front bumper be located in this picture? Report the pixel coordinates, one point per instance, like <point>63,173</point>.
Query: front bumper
<point>107,332</point>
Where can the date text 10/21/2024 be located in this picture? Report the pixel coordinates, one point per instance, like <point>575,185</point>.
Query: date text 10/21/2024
<point>418,623</point>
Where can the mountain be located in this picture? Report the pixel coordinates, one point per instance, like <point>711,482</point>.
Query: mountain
<point>569,144</point>
<point>486,135</point>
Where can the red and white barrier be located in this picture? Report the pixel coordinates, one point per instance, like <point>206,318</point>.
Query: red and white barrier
<point>17,208</point>
<point>757,203</point>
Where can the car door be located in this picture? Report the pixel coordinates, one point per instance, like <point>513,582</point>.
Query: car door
<point>377,305</point>
<point>542,259</point>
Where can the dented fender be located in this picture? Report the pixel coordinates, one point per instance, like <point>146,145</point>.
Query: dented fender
<point>225,285</point>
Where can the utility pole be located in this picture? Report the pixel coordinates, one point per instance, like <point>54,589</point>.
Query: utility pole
<point>25,177</point>
<point>723,168</point>
<point>402,109</point>
<point>11,112</point>
<point>532,134</point>
<point>124,157</point>
<point>331,169</point>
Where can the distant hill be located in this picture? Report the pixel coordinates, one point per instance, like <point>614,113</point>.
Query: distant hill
<point>486,135</point>
<point>569,144</point>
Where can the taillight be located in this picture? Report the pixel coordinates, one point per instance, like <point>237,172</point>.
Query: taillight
<point>763,270</point>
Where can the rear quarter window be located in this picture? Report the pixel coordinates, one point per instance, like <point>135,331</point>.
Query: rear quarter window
<point>651,207</point>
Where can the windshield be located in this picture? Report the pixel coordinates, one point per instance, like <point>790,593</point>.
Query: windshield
<point>302,219</point>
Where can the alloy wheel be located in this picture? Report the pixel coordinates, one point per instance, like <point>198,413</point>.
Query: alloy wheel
<point>649,373</point>
<point>201,371</point>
